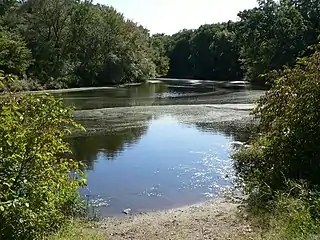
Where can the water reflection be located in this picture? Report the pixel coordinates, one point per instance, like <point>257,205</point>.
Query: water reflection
<point>163,164</point>
<point>147,157</point>
<point>87,148</point>
<point>240,133</point>
<point>114,97</point>
<point>172,164</point>
<point>144,95</point>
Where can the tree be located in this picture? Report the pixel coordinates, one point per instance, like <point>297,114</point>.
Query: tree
<point>270,36</point>
<point>214,53</point>
<point>179,55</point>
<point>38,186</point>
<point>287,149</point>
<point>5,5</point>
<point>46,31</point>
<point>107,48</point>
<point>310,10</point>
<point>15,57</point>
<point>159,44</point>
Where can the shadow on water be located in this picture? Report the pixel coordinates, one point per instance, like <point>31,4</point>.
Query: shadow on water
<point>162,165</point>
<point>147,157</point>
<point>150,94</point>
<point>240,133</point>
<point>87,148</point>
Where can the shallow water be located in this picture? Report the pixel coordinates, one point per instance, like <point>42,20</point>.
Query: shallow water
<point>155,147</point>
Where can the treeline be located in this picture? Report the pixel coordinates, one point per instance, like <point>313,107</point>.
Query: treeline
<point>72,43</point>
<point>265,38</point>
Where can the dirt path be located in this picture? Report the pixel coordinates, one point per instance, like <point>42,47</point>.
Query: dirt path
<point>214,220</point>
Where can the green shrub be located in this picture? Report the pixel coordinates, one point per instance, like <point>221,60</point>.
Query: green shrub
<point>280,171</point>
<point>38,186</point>
<point>288,147</point>
<point>288,218</point>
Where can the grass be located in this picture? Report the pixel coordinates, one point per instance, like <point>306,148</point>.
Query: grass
<point>290,219</point>
<point>80,230</point>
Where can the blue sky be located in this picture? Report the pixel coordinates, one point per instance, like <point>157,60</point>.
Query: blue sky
<point>170,16</point>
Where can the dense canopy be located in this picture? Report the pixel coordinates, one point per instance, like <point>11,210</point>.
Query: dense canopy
<point>75,43</point>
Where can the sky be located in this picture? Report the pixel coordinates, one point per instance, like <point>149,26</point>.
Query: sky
<point>171,16</point>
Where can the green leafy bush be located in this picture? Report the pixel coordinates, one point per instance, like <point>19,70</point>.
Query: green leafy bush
<point>280,170</point>
<point>38,186</point>
<point>288,147</point>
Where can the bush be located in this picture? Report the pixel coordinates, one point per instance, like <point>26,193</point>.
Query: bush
<point>18,85</point>
<point>288,148</point>
<point>38,186</point>
<point>280,171</point>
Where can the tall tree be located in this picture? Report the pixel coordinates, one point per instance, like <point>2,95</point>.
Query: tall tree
<point>270,36</point>
<point>159,44</point>
<point>15,57</point>
<point>179,54</point>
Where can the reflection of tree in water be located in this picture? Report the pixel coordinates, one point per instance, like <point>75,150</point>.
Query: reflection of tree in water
<point>87,148</point>
<point>239,132</point>
<point>142,95</point>
<point>146,90</point>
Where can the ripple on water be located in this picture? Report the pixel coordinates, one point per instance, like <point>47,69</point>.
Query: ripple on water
<point>210,173</point>
<point>171,164</point>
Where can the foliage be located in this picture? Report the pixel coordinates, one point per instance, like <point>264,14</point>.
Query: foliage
<point>288,217</point>
<point>5,5</point>
<point>282,162</point>
<point>77,43</point>
<point>38,186</point>
<point>159,45</point>
<point>15,57</point>
<point>214,54</point>
<point>270,36</point>
<point>179,51</point>
<point>264,39</point>
<point>77,229</point>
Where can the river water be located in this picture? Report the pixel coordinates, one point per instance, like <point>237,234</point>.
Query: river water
<point>157,146</point>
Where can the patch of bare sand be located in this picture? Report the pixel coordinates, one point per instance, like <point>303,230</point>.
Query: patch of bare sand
<point>215,220</point>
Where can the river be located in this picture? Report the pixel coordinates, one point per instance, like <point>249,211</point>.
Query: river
<point>157,146</point>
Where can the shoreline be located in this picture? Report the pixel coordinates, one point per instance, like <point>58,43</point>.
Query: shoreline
<point>186,83</point>
<point>213,219</point>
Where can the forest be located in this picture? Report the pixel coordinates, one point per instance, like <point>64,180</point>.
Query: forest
<point>75,43</point>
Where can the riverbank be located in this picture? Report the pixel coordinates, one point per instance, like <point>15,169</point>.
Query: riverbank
<point>216,219</point>
<point>185,83</point>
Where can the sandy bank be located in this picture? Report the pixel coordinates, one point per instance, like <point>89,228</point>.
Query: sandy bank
<point>216,219</point>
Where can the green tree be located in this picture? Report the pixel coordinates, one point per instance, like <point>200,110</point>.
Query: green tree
<point>15,57</point>
<point>159,44</point>
<point>214,53</point>
<point>287,148</point>
<point>38,186</point>
<point>270,36</point>
<point>179,53</point>
<point>108,49</point>
<point>46,29</point>
<point>310,10</point>
<point>5,5</point>
<point>77,43</point>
